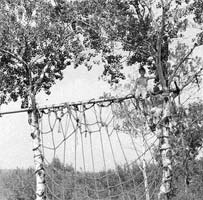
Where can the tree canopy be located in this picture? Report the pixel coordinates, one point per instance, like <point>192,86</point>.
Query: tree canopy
<point>39,39</point>
<point>35,47</point>
<point>143,29</point>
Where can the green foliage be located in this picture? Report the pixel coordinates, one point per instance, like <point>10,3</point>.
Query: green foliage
<point>188,129</point>
<point>187,143</point>
<point>197,7</point>
<point>35,47</point>
<point>105,24</point>
<point>38,40</point>
<point>187,73</point>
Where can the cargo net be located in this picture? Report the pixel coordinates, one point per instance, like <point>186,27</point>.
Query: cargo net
<point>99,150</point>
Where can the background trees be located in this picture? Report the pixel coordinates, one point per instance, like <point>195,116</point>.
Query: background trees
<point>34,49</point>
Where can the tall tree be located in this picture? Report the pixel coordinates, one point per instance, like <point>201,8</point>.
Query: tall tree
<point>147,31</point>
<point>35,47</point>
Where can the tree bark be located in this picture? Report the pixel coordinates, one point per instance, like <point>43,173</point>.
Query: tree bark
<point>37,150</point>
<point>166,154</point>
<point>143,167</point>
<point>146,185</point>
<point>164,125</point>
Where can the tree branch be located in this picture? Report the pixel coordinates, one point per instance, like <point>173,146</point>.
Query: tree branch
<point>17,57</point>
<point>14,56</point>
<point>180,63</point>
<point>40,80</point>
<point>159,42</point>
<point>149,7</point>
<point>191,79</point>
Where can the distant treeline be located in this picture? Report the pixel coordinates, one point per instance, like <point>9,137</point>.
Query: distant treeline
<point>121,183</point>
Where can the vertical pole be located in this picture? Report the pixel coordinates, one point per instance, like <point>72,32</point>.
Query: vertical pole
<point>37,150</point>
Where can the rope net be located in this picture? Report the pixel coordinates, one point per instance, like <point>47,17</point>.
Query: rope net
<point>101,150</point>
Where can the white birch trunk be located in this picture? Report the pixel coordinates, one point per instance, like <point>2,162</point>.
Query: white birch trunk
<point>166,154</point>
<point>164,131</point>
<point>143,168</point>
<point>37,151</point>
<point>146,185</point>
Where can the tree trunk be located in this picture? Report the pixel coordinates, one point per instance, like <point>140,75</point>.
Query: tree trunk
<point>143,167</point>
<point>146,185</point>
<point>164,124</point>
<point>37,150</point>
<point>166,154</point>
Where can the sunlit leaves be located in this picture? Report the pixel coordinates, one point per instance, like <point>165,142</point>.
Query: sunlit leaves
<point>198,11</point>
<point>131,24</point>
<point>187,138</point>
<point>34,48</point>
<point>185,71</point>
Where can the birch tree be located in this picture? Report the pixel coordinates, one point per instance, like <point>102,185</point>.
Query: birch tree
<point>148,31</point>
<point>35,47</point>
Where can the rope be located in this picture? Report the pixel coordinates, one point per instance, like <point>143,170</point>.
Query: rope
<point>74,133</point>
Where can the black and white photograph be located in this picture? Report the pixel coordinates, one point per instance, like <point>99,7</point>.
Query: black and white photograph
<point>101,99</point>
